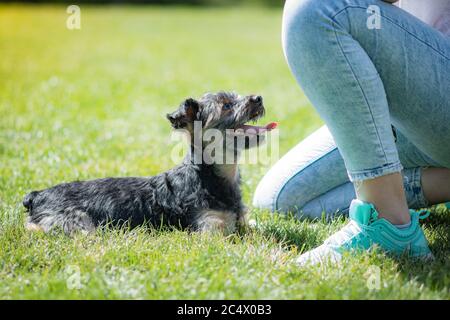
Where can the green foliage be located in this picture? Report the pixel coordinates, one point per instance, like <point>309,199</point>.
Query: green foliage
<point>91,103</point>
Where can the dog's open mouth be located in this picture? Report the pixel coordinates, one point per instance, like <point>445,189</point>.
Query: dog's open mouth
<point>246,129</point>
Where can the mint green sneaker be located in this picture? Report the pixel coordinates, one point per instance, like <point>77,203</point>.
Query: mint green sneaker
<point>365,230</point>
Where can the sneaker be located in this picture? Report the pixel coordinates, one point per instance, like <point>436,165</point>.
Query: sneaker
<point>365,230</point>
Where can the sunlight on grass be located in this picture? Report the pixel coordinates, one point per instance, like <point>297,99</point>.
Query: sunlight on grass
<point>91,103</point>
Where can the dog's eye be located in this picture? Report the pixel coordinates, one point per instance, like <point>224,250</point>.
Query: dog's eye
<point>227,106</point>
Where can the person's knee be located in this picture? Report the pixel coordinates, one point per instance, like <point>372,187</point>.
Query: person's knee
<point>284,198</point>
<point>308,22</point>
<point>265,194</point>
<point>299,21</point>
<point>304,31</point>
<point>274,197</point>
<point>291,181</point>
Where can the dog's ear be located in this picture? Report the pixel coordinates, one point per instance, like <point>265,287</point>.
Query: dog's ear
<point>185,114</point>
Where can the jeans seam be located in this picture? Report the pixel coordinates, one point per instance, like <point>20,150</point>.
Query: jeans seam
<point>325,192</point>
<point>365,174</point>
<point>310,163</point>
<point>360,87</point>
<point>365,171</point>
<point>417,182</point>
<point>394,23</point>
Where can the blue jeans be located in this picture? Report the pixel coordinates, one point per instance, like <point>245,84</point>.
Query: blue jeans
<point>384,95</point>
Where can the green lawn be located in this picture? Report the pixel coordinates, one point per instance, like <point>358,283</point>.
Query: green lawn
<point>91,103</point>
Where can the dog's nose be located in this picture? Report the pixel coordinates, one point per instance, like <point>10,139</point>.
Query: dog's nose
<point>256,99</point>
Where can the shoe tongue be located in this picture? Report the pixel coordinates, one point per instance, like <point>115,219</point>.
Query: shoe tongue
<point>362,212</point>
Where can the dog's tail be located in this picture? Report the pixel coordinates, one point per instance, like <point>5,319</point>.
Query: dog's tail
<point>28,200</point>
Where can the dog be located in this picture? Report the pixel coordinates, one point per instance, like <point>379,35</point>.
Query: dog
<point>201,194</point>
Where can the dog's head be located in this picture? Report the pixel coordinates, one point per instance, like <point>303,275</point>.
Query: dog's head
<point>225,113</point>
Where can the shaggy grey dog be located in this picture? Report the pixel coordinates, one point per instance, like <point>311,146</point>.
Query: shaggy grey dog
<point>200,194</point>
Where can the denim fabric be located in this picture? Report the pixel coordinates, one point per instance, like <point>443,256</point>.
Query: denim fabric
<point>361,81</point>
<point>311,178</point>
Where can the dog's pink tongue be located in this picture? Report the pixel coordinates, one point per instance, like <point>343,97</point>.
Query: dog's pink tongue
<point>272,125</point>
<point>258,129</point>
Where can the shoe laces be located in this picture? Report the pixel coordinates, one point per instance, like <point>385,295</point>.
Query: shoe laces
<point>343,235</point>
<point>351,230</point>
<point>423,214</point>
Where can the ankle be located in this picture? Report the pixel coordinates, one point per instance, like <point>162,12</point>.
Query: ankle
<point>386,193</point>
<point>397,220</point>
<point>396,216</point>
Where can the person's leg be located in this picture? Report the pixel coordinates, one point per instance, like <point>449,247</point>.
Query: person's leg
<point>436,185</point>
<point>311,179</point>
<point>387,195</point>
<point>361,80</point>
<point>310,169</point>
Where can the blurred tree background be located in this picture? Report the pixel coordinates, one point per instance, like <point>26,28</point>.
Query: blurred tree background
<point>162,2</point>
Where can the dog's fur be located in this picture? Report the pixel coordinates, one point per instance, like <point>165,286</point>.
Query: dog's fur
<point>190,196</point>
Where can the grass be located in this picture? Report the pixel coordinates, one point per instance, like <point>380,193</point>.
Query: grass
<point>90,103</point>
